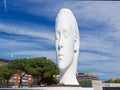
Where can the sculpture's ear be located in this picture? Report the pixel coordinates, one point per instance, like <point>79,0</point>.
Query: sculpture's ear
<point>76,44</point>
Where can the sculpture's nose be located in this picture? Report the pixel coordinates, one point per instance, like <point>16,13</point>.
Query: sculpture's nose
<point>60,44</point>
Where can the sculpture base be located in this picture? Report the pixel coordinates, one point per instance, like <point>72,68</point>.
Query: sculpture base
<point>63,88</point>
<point>49,88</point>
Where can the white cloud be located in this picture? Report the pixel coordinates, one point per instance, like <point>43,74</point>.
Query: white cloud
<point>14,45</point>
<point>36,53</point>
<point>5,5</point>
<point>106,12</point>
<point>106,42</point>
<point>41,32</point>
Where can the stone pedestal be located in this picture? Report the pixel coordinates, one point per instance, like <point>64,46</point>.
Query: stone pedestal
<point>49,88</point>
<point>97,84</point>
<point>65,88</point>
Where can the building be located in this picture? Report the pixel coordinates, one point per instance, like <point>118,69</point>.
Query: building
<point>3,61</point>
<point>15,79</point>
<point>98,85</point>
<point>83,76</point>
<point>86,76</point>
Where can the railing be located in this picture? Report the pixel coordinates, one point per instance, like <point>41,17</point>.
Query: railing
<point>111,88</point>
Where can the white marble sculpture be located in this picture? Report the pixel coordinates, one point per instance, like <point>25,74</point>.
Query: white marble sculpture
<point>67,46</point>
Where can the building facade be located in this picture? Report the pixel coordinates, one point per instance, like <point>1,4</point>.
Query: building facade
<point>15,79</point>
<point>86,76</point>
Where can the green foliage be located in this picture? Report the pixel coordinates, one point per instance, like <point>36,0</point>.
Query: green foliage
<point>85,83</point>
<point>108,81</point>
<point>112,81</point>
<point>19,66</point>
<point>5,74</point>
<point>41,69</point>
<point>116,81</point>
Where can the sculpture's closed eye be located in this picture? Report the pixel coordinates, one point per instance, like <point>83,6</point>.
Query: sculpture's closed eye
<point>67,34</point>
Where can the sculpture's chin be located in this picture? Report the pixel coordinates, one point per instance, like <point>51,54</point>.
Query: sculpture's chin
<point>62,70</point>
<point>61,67</point>
<point>64,63</point>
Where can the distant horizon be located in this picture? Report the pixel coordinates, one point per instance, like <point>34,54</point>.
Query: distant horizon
<point>27,29</point>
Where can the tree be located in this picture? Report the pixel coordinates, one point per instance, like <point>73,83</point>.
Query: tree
<point>42,70</point>
<point>1,76</point>
<point>19,66</point>
<point>112,81</point>
<point>5,74</point>
<point>108,81</point>
<point>117,81</point>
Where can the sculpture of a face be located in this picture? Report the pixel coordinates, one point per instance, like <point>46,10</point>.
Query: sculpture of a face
<point>65,39</point>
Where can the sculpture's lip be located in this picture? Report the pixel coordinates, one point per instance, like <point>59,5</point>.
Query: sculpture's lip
<point>60,56</point>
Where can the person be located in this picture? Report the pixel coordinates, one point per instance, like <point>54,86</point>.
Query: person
<point>67,46</point>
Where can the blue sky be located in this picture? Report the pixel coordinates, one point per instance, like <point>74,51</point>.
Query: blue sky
<point>27,30</point>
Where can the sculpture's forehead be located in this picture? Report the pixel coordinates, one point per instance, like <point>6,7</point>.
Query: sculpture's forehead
<point>64,24</point>
<point>63,27</point>
<point>65,21</point>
